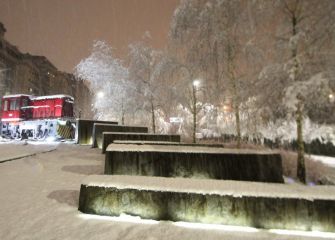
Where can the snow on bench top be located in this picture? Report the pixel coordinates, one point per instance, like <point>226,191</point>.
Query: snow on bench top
<point>138,142</point>
<point>96,121</point>
<point>219,187</point>
<point>136,133</point>
<point>112,125</point>
<point>182,149</point>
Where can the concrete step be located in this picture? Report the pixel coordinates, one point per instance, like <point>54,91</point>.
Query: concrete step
<point>193,162</point>
<point>99,128</point>
<point>110,137</point>
<point>84,130</point>
<point>260,205</point>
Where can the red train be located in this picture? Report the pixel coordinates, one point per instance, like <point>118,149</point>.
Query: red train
<point>25,116</point>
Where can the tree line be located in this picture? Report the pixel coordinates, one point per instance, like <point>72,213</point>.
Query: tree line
<point>229,66</point>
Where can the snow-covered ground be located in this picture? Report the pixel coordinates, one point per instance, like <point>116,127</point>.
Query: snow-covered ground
<point>39,200</point>
<point>329,161</point>
<point>12,150</point>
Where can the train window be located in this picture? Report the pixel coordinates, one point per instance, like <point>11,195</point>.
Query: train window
<point>12,104</point>
<point>5,106</point>
<point>24,102</point>
<point>17,105</point>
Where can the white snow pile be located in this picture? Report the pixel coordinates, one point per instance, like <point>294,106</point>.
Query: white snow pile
<point>330,161</point>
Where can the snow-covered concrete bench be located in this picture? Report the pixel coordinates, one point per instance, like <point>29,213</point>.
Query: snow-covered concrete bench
<point>99,128</point>
<point>110,137</point>
<point>84,129</point>
<point>261,205</point>
<point>167,143</point>
<point>193,162</point>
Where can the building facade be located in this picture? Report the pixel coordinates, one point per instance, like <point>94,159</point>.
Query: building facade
<point>23,73</point>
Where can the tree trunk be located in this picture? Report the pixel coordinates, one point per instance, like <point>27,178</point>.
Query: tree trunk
<point>122,118</point>
<point>122,113</point>
<point>194,113</point>
<point>238,128</point>
<point>301,169</point>
<point>153,118</point>
<point>237,113</point>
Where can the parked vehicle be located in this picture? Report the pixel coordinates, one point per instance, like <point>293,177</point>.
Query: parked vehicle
<point>37,117</point>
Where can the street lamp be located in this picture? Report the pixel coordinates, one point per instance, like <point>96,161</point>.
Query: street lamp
<point>196,83</point>
<point>100,94</point>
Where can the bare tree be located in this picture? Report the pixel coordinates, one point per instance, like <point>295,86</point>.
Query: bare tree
<point>294,77</point>
<point>308,33</point>
<point>146,68</point>
<point>108,82</point>
<point>218,38</point>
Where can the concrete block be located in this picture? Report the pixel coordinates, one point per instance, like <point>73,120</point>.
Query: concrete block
<point>260,205</point>
<point>84,130</point>
<point>110,137</point>
<point>99,128</point>
<point>168,143</point>
<point>193,162</point>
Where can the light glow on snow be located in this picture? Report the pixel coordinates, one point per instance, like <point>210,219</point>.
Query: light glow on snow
<point>122,218</point>
<point>216,227</point>
<point>303,233</point>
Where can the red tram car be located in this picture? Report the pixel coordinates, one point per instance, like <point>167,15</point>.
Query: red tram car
<point>25,116</point>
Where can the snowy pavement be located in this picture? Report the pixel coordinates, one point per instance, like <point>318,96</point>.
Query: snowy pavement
<point>39,200</point>
<point>17,150</point>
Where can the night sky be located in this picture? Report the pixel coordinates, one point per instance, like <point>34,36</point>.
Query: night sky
<point>64,30</point>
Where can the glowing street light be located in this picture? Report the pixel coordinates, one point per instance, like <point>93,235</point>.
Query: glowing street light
<point>100,94</point>
<point>331,96</point>
<point>196,83</point>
